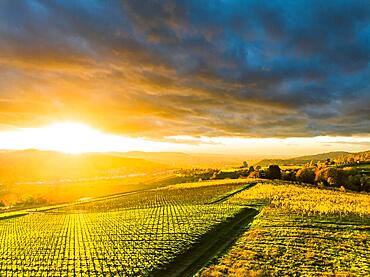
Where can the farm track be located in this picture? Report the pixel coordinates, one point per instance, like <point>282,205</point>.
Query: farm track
<point>248,186</point>
<point>210,246</point>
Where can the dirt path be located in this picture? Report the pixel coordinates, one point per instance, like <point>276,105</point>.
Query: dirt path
<point>247,186</point>
<point>210,246</point>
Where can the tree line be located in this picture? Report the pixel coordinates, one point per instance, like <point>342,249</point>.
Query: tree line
<point>330,173</point>
<point>321,174</point>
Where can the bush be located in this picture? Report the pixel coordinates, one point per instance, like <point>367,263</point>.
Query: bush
<point>331,176</point>
<point>354,182</point>
<point>288,175</point>
<point>254,174</point>
<point>306,175</point>
<point>273,172</point>
<point>365,182</point>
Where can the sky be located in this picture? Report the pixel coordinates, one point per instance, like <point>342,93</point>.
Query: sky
<point>201,76</point>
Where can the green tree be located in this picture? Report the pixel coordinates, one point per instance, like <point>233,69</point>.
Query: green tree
<point>255,174</point>
<point>288,175</point>
<point>306,175</point>
<point>331,176</point>
<point>273,172</point>
<point>354,182</point>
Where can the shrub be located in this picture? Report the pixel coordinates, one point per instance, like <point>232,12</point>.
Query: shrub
<point>306,175</point>
<point>254,174</point>
<point>273,172</point>
<point>331,176</point>
<point>288,175</point>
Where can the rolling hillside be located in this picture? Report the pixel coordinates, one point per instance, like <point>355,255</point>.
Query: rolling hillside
<point>34,165</point>
<point>340,155</point>
<point>178,159</point>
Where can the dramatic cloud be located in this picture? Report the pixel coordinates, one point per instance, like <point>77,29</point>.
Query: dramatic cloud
<point>188,68</point>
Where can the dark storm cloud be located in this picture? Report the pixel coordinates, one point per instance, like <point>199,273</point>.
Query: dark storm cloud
<point>157,68</point>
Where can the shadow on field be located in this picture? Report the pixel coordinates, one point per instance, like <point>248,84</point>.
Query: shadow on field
<point>225,197</point>
<point>210,246</point>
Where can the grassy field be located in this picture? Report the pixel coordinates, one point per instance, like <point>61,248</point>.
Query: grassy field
<point>300,230</point>
<point>171,230</point>
<point>132,234</point>
<point>361,168</point>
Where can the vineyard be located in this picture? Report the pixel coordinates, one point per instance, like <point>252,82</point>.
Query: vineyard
<point>301,229</point>
<point>126,235</point>
<point>305,228</point>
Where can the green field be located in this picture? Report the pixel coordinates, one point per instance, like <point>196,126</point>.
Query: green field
<point>361,168</point>
<point>178,229</point>
<point>132,234</point>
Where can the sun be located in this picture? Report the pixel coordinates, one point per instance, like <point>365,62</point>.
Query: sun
<point>74,138</point>
<point>67,137</point>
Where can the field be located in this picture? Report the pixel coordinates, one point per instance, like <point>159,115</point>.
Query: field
<point>68,190</point>
<point>303,230</point>
<point>361,168</point>
<point>166,231</point>
<point>132,234</point>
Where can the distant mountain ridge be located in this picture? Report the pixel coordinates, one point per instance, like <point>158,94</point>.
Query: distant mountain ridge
<point>35,165</point>
<point>186,160</point>
<point>28,165</point>
<point>308,158</point>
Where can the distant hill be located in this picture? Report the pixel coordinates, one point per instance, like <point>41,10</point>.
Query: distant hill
<point>34,165</point>
<point>186,160</point>
<point>304,159</point>
<point>354,158</point>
